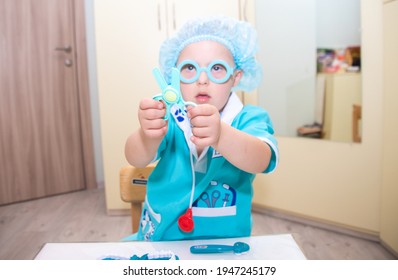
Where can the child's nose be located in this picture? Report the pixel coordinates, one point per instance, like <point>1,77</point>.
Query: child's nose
<point>203,78</point>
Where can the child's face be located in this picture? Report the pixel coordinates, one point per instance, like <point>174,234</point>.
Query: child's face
<point>203,90</point>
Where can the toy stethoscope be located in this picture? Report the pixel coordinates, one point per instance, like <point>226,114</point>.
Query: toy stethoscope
<point>171,95</point>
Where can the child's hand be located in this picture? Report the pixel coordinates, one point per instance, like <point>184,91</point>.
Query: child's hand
<point>206,125</point>
<point>150,115</point>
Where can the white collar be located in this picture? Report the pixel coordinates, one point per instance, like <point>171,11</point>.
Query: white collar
<point>231,109</point>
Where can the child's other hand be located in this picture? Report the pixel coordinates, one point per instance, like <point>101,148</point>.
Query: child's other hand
<point>206,125</point>
<point>150,114</point>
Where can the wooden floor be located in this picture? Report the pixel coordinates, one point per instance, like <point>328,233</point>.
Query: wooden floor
<point>81,216</point>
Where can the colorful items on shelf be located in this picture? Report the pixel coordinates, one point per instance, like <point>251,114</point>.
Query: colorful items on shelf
<point>339,60</point>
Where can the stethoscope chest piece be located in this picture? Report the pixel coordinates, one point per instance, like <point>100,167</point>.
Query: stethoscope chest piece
<point>185,221</point>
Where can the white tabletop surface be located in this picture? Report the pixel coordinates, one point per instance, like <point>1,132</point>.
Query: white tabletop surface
<point>268,247</point>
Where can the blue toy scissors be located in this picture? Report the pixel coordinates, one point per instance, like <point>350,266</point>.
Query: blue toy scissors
<point>215,195</point>
<point>171,94</point>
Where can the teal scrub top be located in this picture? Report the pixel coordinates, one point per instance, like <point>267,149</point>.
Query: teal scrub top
<point>222,193</point>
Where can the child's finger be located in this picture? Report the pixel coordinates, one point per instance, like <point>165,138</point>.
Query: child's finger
<point>154,114</point>
<point>147,103</point>
<point>201,110</point>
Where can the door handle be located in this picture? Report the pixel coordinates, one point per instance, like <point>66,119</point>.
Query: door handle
<point>66,49</point>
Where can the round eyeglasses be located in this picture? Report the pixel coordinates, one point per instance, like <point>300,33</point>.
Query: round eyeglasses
<point>218,71</point>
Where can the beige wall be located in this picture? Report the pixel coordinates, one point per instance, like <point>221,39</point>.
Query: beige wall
<point>118,101</point>
<point>389,192</point>
<point>337,182</point>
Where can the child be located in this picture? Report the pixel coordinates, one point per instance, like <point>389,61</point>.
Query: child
<point>209,155</point>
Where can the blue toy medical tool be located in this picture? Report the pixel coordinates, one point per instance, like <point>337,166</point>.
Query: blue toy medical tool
<point>171,94</point>
<point>158,255</point>
<point>237,248</point>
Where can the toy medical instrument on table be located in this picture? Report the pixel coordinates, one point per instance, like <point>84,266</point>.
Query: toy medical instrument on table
<point>159,255</point>
<point>237,248</point>
<point>171,94</point>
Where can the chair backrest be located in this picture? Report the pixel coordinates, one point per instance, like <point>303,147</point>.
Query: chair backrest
<point>133,182</point>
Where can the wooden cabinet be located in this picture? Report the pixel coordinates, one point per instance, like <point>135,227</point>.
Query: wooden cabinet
<point>128,36</point>
<point>342,92</point>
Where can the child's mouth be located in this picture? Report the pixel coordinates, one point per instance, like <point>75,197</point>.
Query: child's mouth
<point>202,98</point>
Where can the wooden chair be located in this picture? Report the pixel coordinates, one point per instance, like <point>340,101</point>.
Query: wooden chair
<point>356,118</point>
<point>133,189</point>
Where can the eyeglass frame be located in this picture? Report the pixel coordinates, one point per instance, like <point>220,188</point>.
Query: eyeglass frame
<point>230,71</point>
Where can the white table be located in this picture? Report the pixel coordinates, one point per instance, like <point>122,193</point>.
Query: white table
<point>268,247</point>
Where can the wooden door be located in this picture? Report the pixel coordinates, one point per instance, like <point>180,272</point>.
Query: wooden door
<point>44,122</point>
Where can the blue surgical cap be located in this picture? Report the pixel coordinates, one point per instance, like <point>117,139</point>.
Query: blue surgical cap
<point>239,37</point>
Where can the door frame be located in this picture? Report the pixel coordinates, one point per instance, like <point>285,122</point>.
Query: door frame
<point>84,94</point>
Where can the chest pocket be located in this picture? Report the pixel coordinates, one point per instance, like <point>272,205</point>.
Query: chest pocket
<point>218,200</point>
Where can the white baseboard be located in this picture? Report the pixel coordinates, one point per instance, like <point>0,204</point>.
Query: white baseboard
<point>368,235</point>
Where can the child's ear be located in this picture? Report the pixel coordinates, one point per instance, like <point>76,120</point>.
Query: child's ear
<point>237,76</point>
